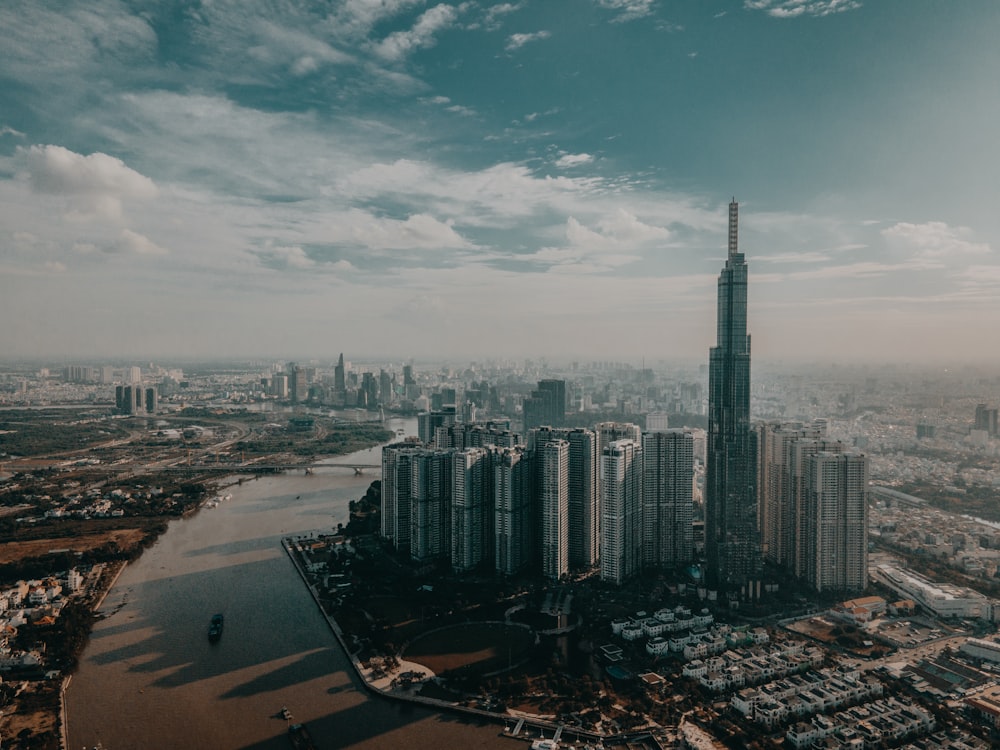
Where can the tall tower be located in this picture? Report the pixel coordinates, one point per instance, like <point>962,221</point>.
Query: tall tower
<point>553,500</point>
<point>471,509</point>
<point>731,537</point>
<point>667,502</point>
<point>339,381</point>
<point>621,509</point>
<point>836,510</point>
<point>514,490</point>
<point>584,491</point>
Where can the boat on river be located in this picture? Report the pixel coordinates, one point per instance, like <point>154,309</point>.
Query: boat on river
<point>215,628</point>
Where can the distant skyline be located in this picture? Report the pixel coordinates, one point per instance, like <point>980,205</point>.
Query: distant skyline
<point>520,179</point>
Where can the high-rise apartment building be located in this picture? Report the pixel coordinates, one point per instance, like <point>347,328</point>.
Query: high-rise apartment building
<point>514,517</point>
<point>621,511</point>
<point>430,504</point>
<point>732,543</point>
<point>417,489</point>
<point>584,491</point>
<point>553,503</point>
<point>471,509</point>
<point>609,432</point>
<point>777,495</point>
<point>397,462</point>
<point>836,521</point>
<point>667,498</point>
<point>800,450</point>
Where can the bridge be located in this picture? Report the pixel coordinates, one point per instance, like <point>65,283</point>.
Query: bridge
<point>269,468</point>
<point>244,468</point>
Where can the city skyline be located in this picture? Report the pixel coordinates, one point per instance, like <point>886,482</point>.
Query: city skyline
<point>477,179</point>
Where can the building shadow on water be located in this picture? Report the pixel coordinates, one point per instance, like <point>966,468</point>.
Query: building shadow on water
<point>382,723</point>
<point>164,628</point>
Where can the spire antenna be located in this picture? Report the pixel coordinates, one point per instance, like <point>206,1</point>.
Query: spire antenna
<point>734,218</point>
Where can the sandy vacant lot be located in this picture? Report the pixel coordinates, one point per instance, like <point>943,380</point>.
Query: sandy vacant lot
<point>14,551</point>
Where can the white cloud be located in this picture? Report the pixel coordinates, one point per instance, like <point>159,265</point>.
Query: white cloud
<point>419,231</point>
<point>96,185</point>
<point>492,19</point>
<point>54,169</point>
<point>359,16</point>
<point>934,239</point>
<point>290,256</point>
<point>399,44</point>
<point>55,266</point>
<point>628,10</point>
<point>573,160</point>
<point>625,227</point>
<point>516,41</point>
<point>138,244</point>
<point>795,8</point>
<point>7,130</point>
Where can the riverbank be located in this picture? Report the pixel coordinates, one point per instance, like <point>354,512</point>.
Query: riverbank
<point>405,680</point>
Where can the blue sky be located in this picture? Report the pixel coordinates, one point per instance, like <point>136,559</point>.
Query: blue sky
<point>549,177</point>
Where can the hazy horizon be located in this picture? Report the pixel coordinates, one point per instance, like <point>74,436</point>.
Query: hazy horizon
<point>479,180</point>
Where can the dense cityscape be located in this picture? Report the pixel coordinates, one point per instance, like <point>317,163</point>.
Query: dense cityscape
<point>670,556</point>
<point>400,374</point>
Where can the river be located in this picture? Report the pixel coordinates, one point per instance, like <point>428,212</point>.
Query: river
<point>150,679</point>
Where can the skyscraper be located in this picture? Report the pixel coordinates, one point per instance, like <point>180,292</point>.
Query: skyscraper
<point>584,491</point>
<point>621,510</point>
<point>514,491</point>
<point>667,498</point>
<point>339,380</point>
<point>546,405</point>
<point>777,494</point>
<point>471,509</point>
<point>732,541</point>
<point>836,512</point>
<point>553,501</point>
<point>430,504</point>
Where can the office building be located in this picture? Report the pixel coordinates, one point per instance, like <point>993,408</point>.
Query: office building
<point>385,394</point>
<point>986,420</point>
<point>546,405</point>
<point>621,511</point>
<point>667,498</point>
<point>732,543</point>
<point>429,421</point>
<point>279,385</point>
<point>657,421</point>
<point>152,400</point>
<point>339,377</point>
<point>298,389</point>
